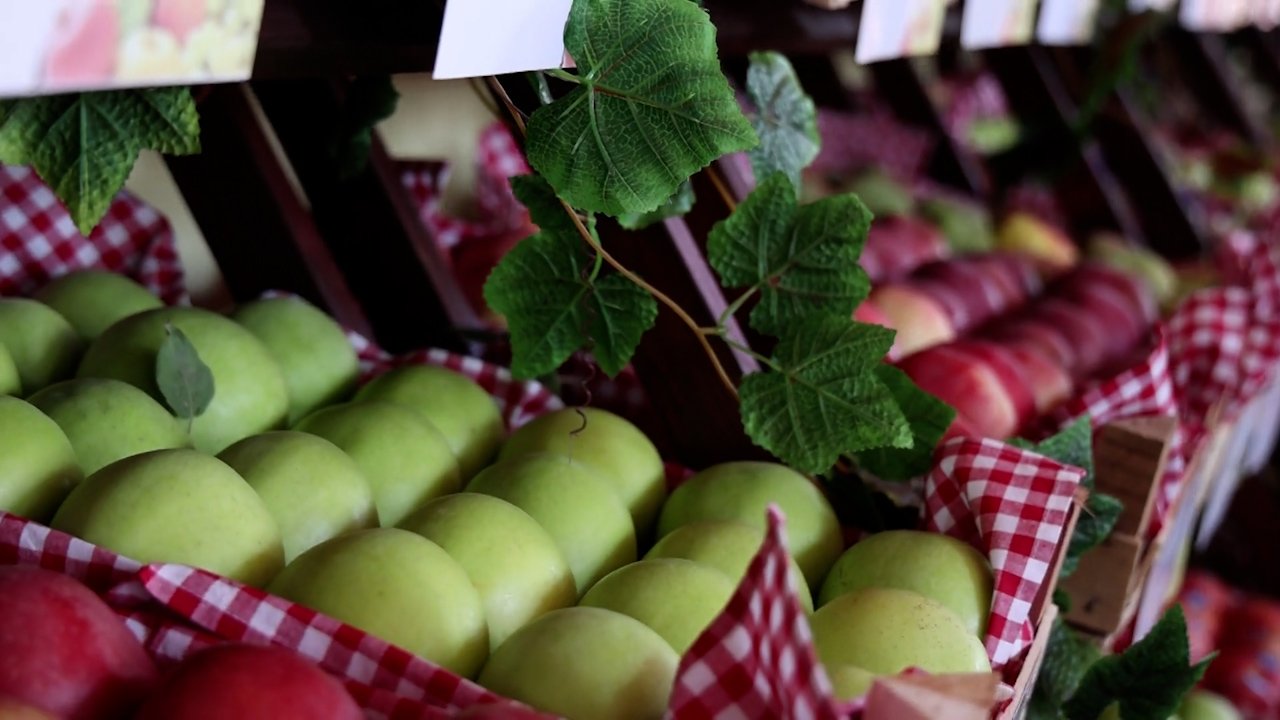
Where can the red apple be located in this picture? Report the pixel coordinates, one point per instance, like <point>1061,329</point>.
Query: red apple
<point>494,711</point>
<point>1248,680</point>
<point>870,314</point>
<point>980,381</point>
<point>83,46</point>
<point>180,17</point>
<point>248,682</point>
<point>920,321</point>
<point>1087,280</point>
<point>65,651</point>
<point>961,287</point>
<point>1049,382</point>
<point>1086,333</point>
<point>897,245</point>
<point>11,709</point>
<point>1030,333</point>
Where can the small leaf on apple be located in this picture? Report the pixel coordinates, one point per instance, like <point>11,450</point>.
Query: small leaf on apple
<point>786,119</point>
<point>183,378</point>
<point>929,418</point>
<point>823,397</point>
<point>800,259</point>
<point>555,298</point>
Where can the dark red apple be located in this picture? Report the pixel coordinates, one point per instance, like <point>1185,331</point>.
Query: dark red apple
<point>980,381</point>
<point>1048,381</point>
<point>64,650</point>
<point>897,245</point>
<point>248,682</point>
<point>1086,333</point>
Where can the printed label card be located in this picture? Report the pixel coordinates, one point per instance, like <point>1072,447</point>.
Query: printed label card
<point>996,23</point>
<point>495,37</point>
<point>1067,22</point>
<point>899,28</point>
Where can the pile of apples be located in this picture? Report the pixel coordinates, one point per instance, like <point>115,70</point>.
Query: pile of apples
<point>550,563</point>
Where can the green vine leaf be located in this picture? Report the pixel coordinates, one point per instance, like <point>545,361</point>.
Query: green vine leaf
<point>369,101</point>
<point>651,108</point>
<point>786,119</point>
<point>184,380</point>
<point>1066,660</point>
<point>677,205</point>
<point>800,259</point>
<point>84,145</point>
<point>556,301</point>
<point>929,419</point>
<point>1149,680</point>
<point>822,398</point>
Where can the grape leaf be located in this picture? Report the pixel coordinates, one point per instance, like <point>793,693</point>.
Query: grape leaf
<point>786,120</point>
<point>801,259</point>
<point>184,380</point>
<point>554,299</point>
<point>929,419</point>
<point>369,101</point>
<point>1074,446</point>
<point>675,206</point>
<point>1149,679</point>
<point>84,145</point>
<point>823,398</point>
<point>651,108</point>
<point>1066,660</point>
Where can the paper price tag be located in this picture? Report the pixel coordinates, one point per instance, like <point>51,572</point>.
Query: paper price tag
<point>899,28</point>
<point>1067,22</point>
<point>493,37</point>
<point>57,46</point>
<point>995,23</point>
<point>1214,15</point>
<point>1137,6</point>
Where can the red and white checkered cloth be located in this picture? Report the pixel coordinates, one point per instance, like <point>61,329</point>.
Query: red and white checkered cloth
<point>39,241</point>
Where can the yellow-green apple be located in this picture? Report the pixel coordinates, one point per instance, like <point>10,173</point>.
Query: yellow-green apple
<point>460,409</point>
<point>726,545</point>
<point>313,489</point>
<point>398,586</point>
<point>936,566</point>
<point>1112,250</point>
<point>249,682</point>
<point>850,681</point>
<point>42,344</point>
<point>966,224</point>
<point>885,631</point>
<point>177,506</point>
<point>94,300</point>
<point>249,390</point>
<point>1024,233</point>
<point>606,442</point>
<point>66,651</point>
<point>743,491</point>
<point>514,564</point>
<point>883,195</point>
<point>10,382</point>
<point>39,465</point>
<point>108,420</point>
<point>585,663</point>
<point>319,364</point>
<point>678,598</point>
<point>980,380</point>
<point>574,504</point>
<point>1200,704</point>
<point>405,459</point>
<point>919,320</point>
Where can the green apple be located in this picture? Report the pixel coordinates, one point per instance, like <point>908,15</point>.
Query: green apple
<point>937,566</point>
<point>1204,705</point>
<point>249,390</point>
<point>460,409</point>
<point>37,463</point>
<point>398,586</point>
<point>726,545</point>
<point>94,300</point>
<point>678,598</point>
<point>886,631</point>
<point>42,344</point>
<point>108,420</point>
<point>850,682</point>
<point>585,663</point>
<point>177,506</point>
<point>10,382</point>
<point>514,564</point>
<point>405,459</point>
<point>319,364</point>
<point>574,504</point>
<point>743,491</point>
<point>611,444</point>
<point>312,488</point>
<point>1112,712</point>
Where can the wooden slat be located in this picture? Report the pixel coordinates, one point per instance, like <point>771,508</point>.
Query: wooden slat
<point>1130,456</point>
<point>1208,76</point>
<point>259,230</point>
<point>1099,588</point>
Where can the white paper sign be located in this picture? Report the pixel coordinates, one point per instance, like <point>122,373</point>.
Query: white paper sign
<point>493,37</point>
<point>995,23</point>
<point>57,46</point>
<point>1067,22</point>
<point>899,28</point>
<point>1214,15</point>
<point>1137,6</point>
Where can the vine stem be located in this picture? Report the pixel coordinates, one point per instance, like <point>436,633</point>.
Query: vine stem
<point>722,188</point>
<point>700,332</point>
